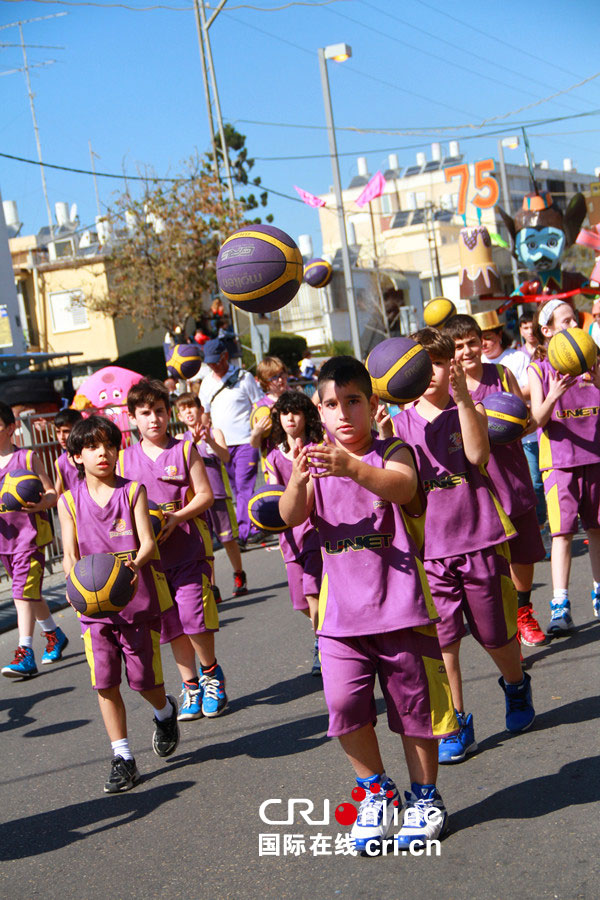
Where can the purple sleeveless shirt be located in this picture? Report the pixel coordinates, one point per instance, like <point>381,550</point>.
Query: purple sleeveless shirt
<point>215,469</point>
<point>111,529</point>
<point>66,472</point>
<point>303,538</point>
<point>373,576</point>
<point>571,436</point>
<point>507,465</point>
<point>168,483</point>
<point>21,532</point>
<point>463,514</point>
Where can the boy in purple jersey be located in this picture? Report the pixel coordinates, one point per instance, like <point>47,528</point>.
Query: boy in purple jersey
<point>104,513</point>
<point>215,455</point>
<point>509,471</point>
<point>23,536</point>
<point>66,470</point>
<point>466,555</point>
<point>176,479</point>
<point>376,614</point>
<point>567,411</point>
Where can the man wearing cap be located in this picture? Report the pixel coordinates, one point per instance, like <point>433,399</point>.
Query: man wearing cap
<point>228,393</point>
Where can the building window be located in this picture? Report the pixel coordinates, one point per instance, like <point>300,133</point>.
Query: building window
<point>386,203</point>
<point>68,311</point>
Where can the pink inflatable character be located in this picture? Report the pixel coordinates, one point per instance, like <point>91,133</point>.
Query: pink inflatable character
<point>106,391</point>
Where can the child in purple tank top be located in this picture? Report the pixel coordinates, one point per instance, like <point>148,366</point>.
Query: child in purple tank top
<point>88,517</point>
<point>175,478</point>
<point>567,412</point>
<point>66,470</point>
<point>466,531</point>
<point>509,472</point>
<point>295,417</point>
<point>23,536</point>
<point>376,614</point>
<point>221,517</point>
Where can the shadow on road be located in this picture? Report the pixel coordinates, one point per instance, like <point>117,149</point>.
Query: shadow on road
<point>52,830</point>
<point>19,708</point>
<point>280,692</point>
<point>581,636</point>
<point>57,728</point>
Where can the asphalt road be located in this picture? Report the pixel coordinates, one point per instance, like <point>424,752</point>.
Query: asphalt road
<point>524,810</point>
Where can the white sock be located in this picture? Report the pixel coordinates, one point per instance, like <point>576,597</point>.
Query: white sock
<point>165,713</point>
<point>47,624</point>
<point>560,596</point>
<point>121,748</point>
<point>26,641</point>
<point>597,587</point>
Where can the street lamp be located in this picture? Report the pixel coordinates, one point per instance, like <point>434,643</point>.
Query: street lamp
<point>511,143</point>
<point>339,53</point>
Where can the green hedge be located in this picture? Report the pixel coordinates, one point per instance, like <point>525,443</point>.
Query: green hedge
<point>147,361</point>
<point>289,348</point>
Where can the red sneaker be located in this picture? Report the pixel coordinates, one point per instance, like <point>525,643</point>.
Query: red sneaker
<point>529,631</point>
<point>240,586</point>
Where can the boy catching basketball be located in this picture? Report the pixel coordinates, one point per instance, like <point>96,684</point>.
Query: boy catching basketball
<point>104,513</point>
<point>375,610</point>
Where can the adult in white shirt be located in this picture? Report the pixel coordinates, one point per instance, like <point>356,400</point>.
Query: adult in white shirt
<point>595,326</point>
<point>228,393</point>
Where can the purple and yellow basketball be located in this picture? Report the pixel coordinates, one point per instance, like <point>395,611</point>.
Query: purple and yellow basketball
<point>99,584</point>
<point>263,508</point>
<point>259,268</point>
<point>20,487</point>
<point>572,351</point>
<point>259,413</point>
<point>507,417</point>
<point>157,517</point>
<point>184,361</point>
<point>400,370</point>
<point>317,273</point>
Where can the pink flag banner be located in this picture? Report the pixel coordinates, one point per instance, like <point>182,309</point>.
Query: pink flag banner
<point>374,188</point>
<point>309,199</point>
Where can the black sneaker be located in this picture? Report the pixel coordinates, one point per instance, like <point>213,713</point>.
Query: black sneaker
<point>166,734</point>
<point>240,584</point>
<point>216,594</point>
<point>316,663</point>
<point>123,775</point>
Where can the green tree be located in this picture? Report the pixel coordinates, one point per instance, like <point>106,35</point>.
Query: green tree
<point>240,165</point>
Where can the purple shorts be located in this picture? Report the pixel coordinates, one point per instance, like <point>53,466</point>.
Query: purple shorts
<point>304,578</point>
<point>106,645</point>
<point>222,520</point>
<point>411,673</point>
<point>194,610</point>
<point>571,493</point>
<point>479,586</point>
<point>27,573</point>
<point>526,547</point>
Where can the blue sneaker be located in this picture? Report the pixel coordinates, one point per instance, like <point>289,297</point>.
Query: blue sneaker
<point>375,813</point>
<point>596,604</point>
<point>425,816</point>
<point>191,703</point>
<point>560,619</point>
<point>519,707</point>
<point>56,641</point>
<point>454,749</point>
<point>23,665</point>
<point>214,698</point>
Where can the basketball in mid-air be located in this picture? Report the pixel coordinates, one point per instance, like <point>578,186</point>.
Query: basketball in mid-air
<point>438,311</point>
<point>259,268</point>
<point>400,370</point>
<point>185,361</point>
<point>99,584</point>
<point>572,351</point>
<point>263,508</point>
<point>318,272</point>
<point>20,487</point>
<point>507,417</point>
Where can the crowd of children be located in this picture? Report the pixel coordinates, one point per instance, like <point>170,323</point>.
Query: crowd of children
<point>376,554</point>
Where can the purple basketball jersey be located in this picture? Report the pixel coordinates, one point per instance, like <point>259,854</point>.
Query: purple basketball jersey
<point>66,471</point>
<point>303,538</point>
<point>463,513</point>
<point>215,469</point>
<point>373,577</point>
<point>571,436</point>
<point>21,532</point>
<point>111,529</point>
<point>507,465</point>
<point>167,481</point>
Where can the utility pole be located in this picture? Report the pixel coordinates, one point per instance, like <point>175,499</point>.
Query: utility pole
<point>92,155</point>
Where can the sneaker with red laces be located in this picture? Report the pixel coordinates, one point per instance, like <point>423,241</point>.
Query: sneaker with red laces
<point>23,665</point>
<point>528,629</point>
<point>240,586</point>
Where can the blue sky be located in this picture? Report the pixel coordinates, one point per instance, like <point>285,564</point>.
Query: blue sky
<point>129,81</point>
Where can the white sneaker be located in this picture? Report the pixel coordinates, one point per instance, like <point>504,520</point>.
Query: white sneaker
<point>375,815</point>
<point>560,619</point>
<point>425,816</point>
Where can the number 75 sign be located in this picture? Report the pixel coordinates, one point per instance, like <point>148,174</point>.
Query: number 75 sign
<point>485,184</point>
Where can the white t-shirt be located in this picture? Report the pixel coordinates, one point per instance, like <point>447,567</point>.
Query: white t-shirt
<point>233,405</point>
<point>515,360</point>
<point>595,333</point>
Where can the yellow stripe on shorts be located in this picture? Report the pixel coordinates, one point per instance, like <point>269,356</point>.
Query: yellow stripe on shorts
<point>89,653</point>
<point>443,718</point>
